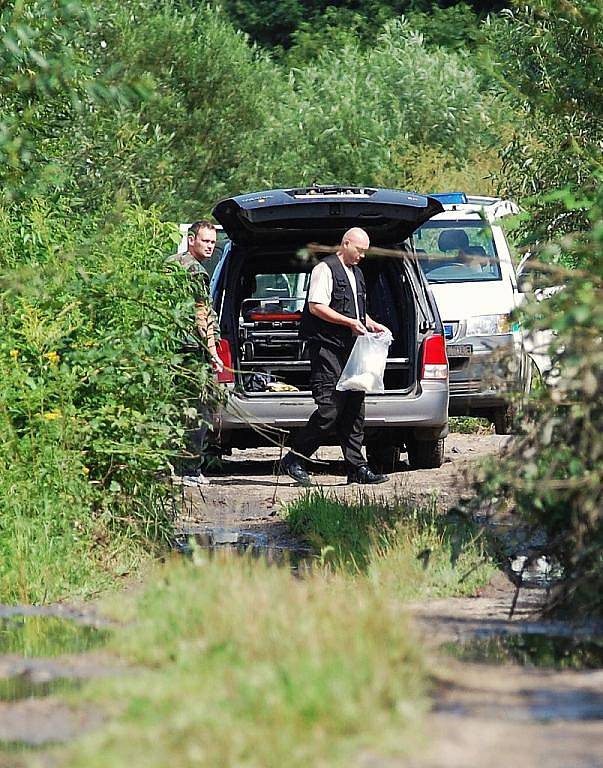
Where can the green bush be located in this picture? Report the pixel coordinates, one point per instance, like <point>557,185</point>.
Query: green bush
<point>548,58</point>
<point>553,473</point>
<point>93,388</point>
<point>367,109</point>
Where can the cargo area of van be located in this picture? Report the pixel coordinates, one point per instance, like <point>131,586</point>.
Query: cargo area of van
<point>265,313</point>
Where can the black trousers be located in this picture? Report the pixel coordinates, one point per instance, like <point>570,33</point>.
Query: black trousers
<point>341,413</point>
<point>197,426</point>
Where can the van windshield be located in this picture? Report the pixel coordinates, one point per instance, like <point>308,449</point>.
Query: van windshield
<point>457,252</point>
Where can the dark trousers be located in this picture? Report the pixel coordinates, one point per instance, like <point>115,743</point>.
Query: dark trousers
<point>196,423</point>
<point>341,413</point>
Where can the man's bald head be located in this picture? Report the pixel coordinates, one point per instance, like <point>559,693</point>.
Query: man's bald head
<point>353,245</point>
<point>358,236</point>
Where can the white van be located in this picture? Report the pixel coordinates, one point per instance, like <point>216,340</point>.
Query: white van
<point>467,261</point>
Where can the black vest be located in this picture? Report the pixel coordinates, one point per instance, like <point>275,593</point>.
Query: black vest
<point>327,334</point>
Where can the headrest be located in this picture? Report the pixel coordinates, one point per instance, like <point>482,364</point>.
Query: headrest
<point>453,240</point>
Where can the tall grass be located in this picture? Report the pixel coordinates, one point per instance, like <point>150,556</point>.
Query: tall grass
<point>239,664</point>
<point>416,550</point>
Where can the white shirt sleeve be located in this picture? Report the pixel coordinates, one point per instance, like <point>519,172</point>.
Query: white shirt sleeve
<point>321,285</point>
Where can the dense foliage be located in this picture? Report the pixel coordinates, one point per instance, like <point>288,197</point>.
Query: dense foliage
<point>92,393</point>
<point>554,473</point>
<point>276,23</point>
<point>551,58</point>
<point>376,115</point>
<point>92,385</point>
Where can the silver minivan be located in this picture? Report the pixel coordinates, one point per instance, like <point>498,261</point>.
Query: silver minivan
<point>258,291</point>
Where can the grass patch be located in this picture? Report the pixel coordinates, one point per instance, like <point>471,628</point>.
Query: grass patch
<point>239,664</point>
<point>470,425</point>
<point>57,539</point>
<point>416,550</point>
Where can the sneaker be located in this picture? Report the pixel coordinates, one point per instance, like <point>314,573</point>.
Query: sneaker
<point>292,466</point>
<point>365,476</point>
<point>192,481</point>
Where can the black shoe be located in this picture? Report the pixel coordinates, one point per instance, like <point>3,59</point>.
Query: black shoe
<point>291,465</point>
<point>365,476</point>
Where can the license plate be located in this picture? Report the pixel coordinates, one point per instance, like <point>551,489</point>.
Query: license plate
<point>459,350</point>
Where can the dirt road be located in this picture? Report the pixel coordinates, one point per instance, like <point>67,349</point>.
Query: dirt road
<point>247,495</point>
<point>488,712</point>
<point>484,714</point>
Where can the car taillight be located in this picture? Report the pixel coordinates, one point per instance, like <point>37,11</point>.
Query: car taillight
<point>226,375</point>
<point>435,362</point>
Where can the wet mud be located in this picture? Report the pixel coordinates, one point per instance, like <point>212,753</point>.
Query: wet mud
<point>247,493</point>
<point>509,687</point>
<point>539,649</point>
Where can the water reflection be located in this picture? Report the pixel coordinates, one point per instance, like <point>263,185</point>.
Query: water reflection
<point>532,650</point>
<point>30,636</point>
<point>223,540</point>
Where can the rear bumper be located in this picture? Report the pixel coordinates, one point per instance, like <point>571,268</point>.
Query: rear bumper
<point>487,378</point>
<point>464,402</point>
<point>427,410</point>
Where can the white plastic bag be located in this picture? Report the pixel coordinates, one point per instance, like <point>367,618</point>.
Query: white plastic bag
<point>365,366</point>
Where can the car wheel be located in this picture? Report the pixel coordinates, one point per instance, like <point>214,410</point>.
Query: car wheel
<point>425,454</point>
<point>382,457</point>
<point>503,420</point>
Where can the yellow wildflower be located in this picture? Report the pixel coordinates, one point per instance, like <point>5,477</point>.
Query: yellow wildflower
<point>52,415</point>
<point>14,353</point>
<point>53,357</point>
<point>86,470</point>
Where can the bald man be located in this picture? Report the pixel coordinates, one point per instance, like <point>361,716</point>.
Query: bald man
<point>334,315</point>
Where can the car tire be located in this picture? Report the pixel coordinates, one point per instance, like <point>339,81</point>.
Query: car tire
<point>425,454</point>
<point>503,420</point>
<point>382,457</point>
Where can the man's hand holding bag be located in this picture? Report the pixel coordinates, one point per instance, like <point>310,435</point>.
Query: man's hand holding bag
<point>365,367</point>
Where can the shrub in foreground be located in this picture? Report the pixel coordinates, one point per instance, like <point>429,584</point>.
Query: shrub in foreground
<point>92,388</point>
<point>239,663</point>
<point>553,473</point>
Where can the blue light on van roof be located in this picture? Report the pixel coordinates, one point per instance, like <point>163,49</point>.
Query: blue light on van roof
<point>450,198</point>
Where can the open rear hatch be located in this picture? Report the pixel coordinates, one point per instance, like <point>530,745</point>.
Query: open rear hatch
<point>310,214</point>
<point>265,288</point>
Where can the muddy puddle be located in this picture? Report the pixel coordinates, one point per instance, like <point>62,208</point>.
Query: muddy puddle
<point>245,543</point>
<point>42,658</point>
<point>528,649</point>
